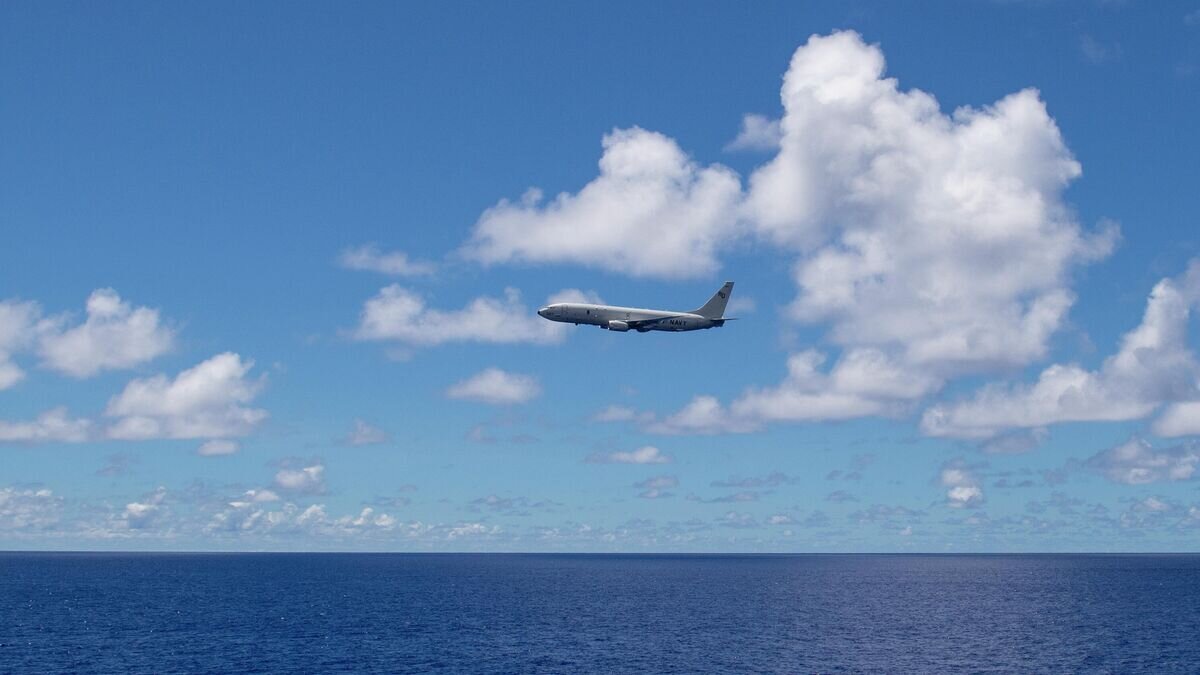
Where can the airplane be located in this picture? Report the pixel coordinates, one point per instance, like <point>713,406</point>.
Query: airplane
<point>711,315</point>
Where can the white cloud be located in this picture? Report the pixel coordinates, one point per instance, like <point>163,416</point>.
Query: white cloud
<point>738,520</point>
<point>114,336</point>
<point>260,495</point>
<point>400,315</point>
<point>1179,419</point>
<point>615,413</point>
<point>941,239</point>
<point>651,212</point>
<point>144,514</point>
<point>656,487</point>
<point>1152,366</point>
<point>702,415</point>
<point>250,515</point>
<point>52,426</point>
<point>29,509</point>
<point>964,490</point>
<point>496,387</point>
<point>18,325</point>
<point>308,479</point>
<point>863,382</point>
<point>1136,462</point>
<point>394,263</point>
<point>366,518</point>
<point>365,434</point>
<point>471,530</point>
<point>932,245</point>
<point>218,446</point>
<point>647,454</point>
<point>1150,512</point>
<point>209,400</point>
<point>758,133</point>
<point>10,374</point>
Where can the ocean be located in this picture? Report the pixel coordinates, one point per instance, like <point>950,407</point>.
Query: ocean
<point>535,613</point>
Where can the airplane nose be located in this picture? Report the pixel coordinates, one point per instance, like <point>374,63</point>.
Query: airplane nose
<point>542,312</point>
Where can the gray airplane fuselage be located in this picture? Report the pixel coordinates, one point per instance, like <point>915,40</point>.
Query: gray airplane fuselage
<point>613,317</point>
<point>605,316</point>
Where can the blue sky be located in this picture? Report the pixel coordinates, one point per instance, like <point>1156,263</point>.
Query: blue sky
<point>269,274</point>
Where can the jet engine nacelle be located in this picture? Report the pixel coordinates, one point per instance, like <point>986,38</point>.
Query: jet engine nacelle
<point>618,326</point>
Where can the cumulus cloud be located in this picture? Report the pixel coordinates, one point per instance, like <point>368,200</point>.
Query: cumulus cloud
<point>365,434</point>
<point>702,415</point>
<point>1179,419</point>
<point>496,387</point>
<point>308,479</point>
<point>963,488</point>
<point>647,454</point>
<point>737,520</point>
<point>398,314</point>
<point>115,335</point>
<point>52,426</point>
<point>144,514</point>
<point>758,133</point>
<point>217,447</point>
<point>620,413</point>
<point>209,400</point>
<point>656,487</point>
<point>393,263</point>
<point>1149,512</point>
<point>29,509</point>
<point>863,382</point>
<point>1136,462</point>
<point>652,212</point>
<point>942,239</point>
<point>932,244</point>
<point>18,326</point>
<point>1153,365</point>
<point>471,530</point>
<point>252,516</point>
<point>260,495</point>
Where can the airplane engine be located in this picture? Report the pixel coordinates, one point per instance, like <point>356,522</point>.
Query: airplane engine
<point>618,326</point>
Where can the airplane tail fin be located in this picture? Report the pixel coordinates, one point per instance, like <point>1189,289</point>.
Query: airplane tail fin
<point>715,307</point>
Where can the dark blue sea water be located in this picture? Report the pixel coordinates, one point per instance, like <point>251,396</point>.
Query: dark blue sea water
<point>167,613</point>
